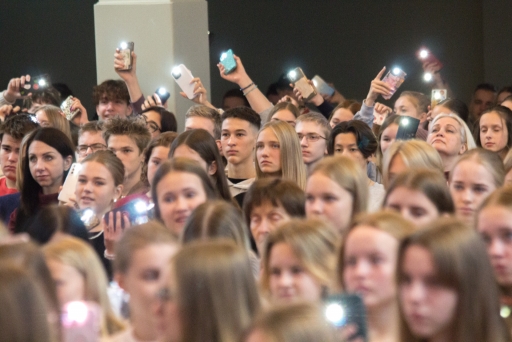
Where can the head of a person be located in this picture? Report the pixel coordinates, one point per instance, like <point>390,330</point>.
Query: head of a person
<point>444,278</point>
<point>270,202</point>
<point>48,158</point>
<point>49,96</point>
<point>305,245</point>
<point>240,128</point>
<point>409,154</point>
<point>367,258</point>
<point>216,219</point>
<point>278,153</point>
<point>272,94</point>
<point>25,302</point>
<point>413,104</point>
<point>420,196</point>
<point>193,298</point>
<point>180,185</point>
<point>503,94</point>
<point>199,116</point>
<point>54,221</point>
<point>90,139</point>
<point>234,98</point>
<point>313,130</point>
<point>111,99</point>
<point>100,182</point>
<point>127,138</point>
<point>476,174</point>
<point>51,116</point>
<point>386,136</point>
<point>298,322</point>
<point>284,111</point>
<point>507,102</point>
<point>495,130</point>
<point>484,97</point>
<point>79,276</point>
<point>450,135</point>
<point>159,120</point>
<point>156,153</point>
<point>141,265</point>
<point>12,131</point>
<point>449,106</point>
<point>344,111</point>
<point>353,139</point>
<point>198,145</point>
<point>336,185</point>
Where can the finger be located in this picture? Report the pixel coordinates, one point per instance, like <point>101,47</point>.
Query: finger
<point>183,95</point>
<point>195,79</point>
<point>126,220</point>
<point>119,223</point>
<point>157,98</point>
<point>380,74</point>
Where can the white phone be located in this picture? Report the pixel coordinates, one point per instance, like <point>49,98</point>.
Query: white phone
<point>183,77</point>
<point>69,186</point>
<point>322,86</point>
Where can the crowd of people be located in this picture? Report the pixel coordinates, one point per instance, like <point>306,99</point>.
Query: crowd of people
<point>242,226</point>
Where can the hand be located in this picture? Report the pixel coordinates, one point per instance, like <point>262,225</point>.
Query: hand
<point>152,101</point>
<point>317,100</point>
<point>377,88</point>
<point>7,110</point>
<point>336,97</point>
<point>238,76</point>
<point>345,332</point>
<point>126,75</point>
<point>72,203</point>
<point>83,112</point>
<point>380,112</point>
<point>112,233</point>
<point>12,93</point>
<point>289,99</point>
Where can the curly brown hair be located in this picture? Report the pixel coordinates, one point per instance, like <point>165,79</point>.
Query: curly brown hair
<point>111,90</point>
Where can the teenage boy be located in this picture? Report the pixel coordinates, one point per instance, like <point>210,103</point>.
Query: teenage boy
<point>111,99</point>
<point>313,130</point>
<point>90,139</point>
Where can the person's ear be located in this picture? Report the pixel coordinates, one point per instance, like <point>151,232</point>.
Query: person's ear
<point>118,191</point>
<point>119,278</point>
<point>67,162</point>
<point>219,146</point>
<point>212,169</point>
<point>463,148</point>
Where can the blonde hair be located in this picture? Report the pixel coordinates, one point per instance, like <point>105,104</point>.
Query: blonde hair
<point>415,154</point>
<point>313,242</point>
<point>488,159</point>
<point>292,166</point>
<point>56,119</point>
<point>79,255</point>
<point>465,132</point>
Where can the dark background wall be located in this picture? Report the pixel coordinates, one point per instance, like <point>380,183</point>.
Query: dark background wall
<point>345,42</point>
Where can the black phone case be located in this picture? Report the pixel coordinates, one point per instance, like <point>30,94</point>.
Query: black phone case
<point>355,313</point>
<point>407,131</point>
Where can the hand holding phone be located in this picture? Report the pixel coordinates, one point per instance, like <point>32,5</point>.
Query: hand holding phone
<point>126,49</point>
<point>69,186</point>
<point>184,78</point>
<point>66,108</point>
<point>300,81</point>
<point>14,87</point>
<point>115,224</point>
<point>227,60</point>
<point>322,86</point>
<point>347,311</point>
<point>81,321</point>
<point>394,79</point>
<point>163,94</point>
<point>438,95</point>
<point>35,84</point>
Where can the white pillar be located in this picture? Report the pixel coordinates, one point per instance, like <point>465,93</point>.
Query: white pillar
<point>165,33</point>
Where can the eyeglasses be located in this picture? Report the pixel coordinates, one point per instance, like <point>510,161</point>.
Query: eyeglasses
<point>82,149</point>
<point>152,127</point>
<point>311,137</point>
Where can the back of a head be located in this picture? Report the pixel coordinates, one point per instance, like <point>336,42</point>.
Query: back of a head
<point>456,106</point>
<point>208,113</point>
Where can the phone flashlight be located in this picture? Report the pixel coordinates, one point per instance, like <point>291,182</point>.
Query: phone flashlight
<point>162,91</point>
<point>123,45</point>
<point>87,214</point>
<point>423,53</point>
<point>176,72</point>
<point>223,56</point>
<point>335,314</point>
<point>42,82</point>
<point>427,77</point>
<point>397,71</point>
<point>292,74</point>
<point>404,121</point>
<point>76,313</point>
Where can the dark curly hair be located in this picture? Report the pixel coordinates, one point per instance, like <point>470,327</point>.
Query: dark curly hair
<point>366,140</point>
<point>111,90</point>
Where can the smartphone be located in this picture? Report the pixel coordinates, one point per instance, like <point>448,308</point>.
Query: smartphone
<point>66,108</point>
<point>394,78</point>
<point>300,81</point>
<point>322,86</point>
<point>89,218</point>
<point>183,77</point>
<point>69,186</point>
<point>438,95</point>
<point>81,321</point>
<point>344,309</point>
<point>36,84</point>
<point>163,94</point>
<point>407,127</point>
<point>139,211</point>
<point>126,49</point>
<point>228,61</point>
<point>428,57</point>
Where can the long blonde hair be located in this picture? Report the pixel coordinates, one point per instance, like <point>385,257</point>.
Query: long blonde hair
<point>292,165</point>
<point>56,119</point>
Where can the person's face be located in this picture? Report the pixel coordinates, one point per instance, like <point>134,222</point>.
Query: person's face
<point>232,102</point>
<point>313,143</point>
<point>158,156</point>
<point>9,155</point>
<point>183,151</point>
<point>147,274</point>
<point>128,152</point>
<point>197,122</point>
<point>470,185</point>
<point>178,194</point>
<point>482,100</point>
<point>238,140</point>
<point>507,104</point>
<point>96,188</point>
<point>91,142</point>
<point>108,108</point>
<point>413,205</point>
<point>42,118</point>
<point>502,97</point>
<point>69,283</point>
<point>388,137</point>
<point>345,144</point>
<point>47,166</point>
<point>405,107</point>
<point>396,166</point>
<point>284,115</point>
<point>369,266</point>
<point>493,132</point>
<point>153,123</point>
<point>428,307</point>
<point>167,311</point>
<point>289,281</point>
<point>268,152</point>
<point>439,110</point>
<point>326,199</point>
<point>445,137</point>
<point>264,219</point>
<point>341,115</point>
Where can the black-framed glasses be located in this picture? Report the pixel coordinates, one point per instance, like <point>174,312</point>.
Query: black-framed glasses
<point>311,137</point>
<point>151,125</point>
<point>82,149</point>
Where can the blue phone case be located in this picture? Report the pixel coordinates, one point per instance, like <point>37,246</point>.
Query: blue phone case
<point>228,61</point>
